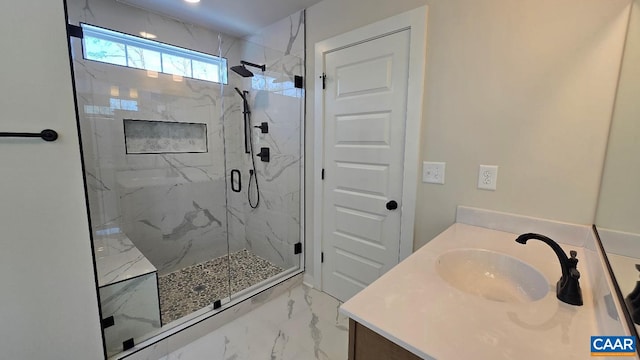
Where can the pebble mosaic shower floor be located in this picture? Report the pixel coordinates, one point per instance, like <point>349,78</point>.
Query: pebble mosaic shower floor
<point>187,290</point>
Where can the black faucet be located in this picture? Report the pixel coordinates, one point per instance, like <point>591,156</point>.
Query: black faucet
<point>568,287</point>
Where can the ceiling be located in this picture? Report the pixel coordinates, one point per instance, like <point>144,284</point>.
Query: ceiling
<point>233,17</point>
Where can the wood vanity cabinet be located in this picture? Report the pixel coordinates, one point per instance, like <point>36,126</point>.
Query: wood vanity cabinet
<point>366,344</point>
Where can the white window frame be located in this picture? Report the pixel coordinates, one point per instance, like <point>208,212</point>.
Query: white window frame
<point>139,42</point>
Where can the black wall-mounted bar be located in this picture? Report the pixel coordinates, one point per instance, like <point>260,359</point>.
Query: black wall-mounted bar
<point>46,135</point>
<point>246,112</point>
<point>261,67</point>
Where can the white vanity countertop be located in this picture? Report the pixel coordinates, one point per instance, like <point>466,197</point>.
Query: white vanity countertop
<point>118,259</point>
<point>414,307</point>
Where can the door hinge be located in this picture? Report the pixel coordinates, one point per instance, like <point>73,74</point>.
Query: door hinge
<point>75,31</point>
<point>128,344</point>
<point>108,322</point>
<point>324,80</point>
<point>298,82</point>
<point>322,257</point>
<point>322,174</point>
<point>297,248</point>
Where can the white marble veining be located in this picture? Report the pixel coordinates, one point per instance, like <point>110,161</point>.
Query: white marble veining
<point>301,324</point>
<point>414,307</point>
<point>133,202</point>
<point>169,205</point>
<point>178,210</point>
<point>286,35</point>
<point>273,228</point>
<point>118,16</point>
<point>186,224</point>
<point>202,323</point>
<point>134,305</point>
<point>128,289</point>
<point>117,259</point>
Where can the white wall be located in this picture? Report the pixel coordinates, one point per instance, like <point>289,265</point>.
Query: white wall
<point>526,85</point>
<point>48,306</point>
<point>620,194</point>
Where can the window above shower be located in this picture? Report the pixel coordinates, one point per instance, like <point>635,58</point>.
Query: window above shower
<point>112,47</point>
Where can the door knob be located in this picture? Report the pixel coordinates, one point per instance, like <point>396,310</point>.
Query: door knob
<point>392,205</point>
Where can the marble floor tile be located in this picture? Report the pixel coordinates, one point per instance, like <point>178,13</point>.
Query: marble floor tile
<point>300,324</point>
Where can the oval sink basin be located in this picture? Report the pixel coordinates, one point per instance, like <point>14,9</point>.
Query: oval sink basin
<point>492,275</point>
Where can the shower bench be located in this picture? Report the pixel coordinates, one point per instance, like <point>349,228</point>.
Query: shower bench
<point>128,286</point>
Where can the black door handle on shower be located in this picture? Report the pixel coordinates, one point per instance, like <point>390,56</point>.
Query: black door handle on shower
<point>236,180</point>
<point>46,135</point>
<point>392,205</point>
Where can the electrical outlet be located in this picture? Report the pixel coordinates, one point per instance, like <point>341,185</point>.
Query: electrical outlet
<point>487,177</point>
<point>433,172</point>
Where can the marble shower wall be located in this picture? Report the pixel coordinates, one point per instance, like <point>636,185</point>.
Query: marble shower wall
<point>273,228</point>
<point>171,206</point>
<point>174,207</point>
<point>135,308</point>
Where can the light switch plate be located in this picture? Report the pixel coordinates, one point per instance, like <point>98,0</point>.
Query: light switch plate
<point>487,177</point>
<point>433,172</point>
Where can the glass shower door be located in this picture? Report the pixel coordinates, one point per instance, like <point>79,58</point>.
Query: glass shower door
<point>153,155</point>
<point>265,216</point>
<point>177,227</point>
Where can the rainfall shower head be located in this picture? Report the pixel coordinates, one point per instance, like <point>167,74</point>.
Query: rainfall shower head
<point>243,71</point>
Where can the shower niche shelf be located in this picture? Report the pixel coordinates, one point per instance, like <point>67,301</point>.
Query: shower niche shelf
<point>164,137</point>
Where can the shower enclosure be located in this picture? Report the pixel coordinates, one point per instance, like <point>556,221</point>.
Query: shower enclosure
<point>172,184</point>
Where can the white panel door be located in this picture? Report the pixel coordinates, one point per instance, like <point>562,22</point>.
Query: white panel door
<point>365,110</point>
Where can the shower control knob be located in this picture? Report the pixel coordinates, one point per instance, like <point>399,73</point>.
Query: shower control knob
<point>392,205</point>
